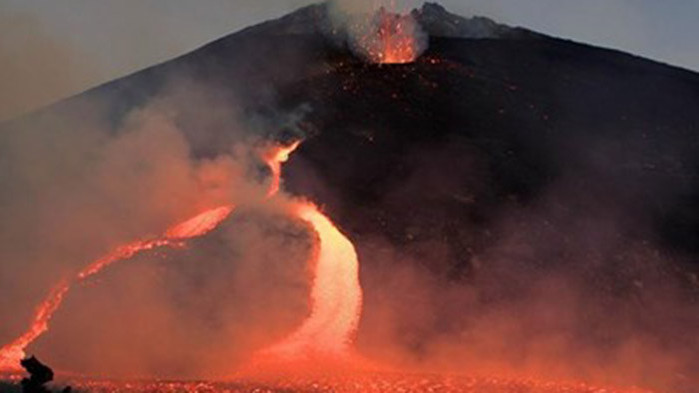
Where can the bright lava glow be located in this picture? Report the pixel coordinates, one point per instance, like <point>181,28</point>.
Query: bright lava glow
<point>390,38</point>
<point>274,158</point>
<point>12,353</point>
<point>336,296</point>
<point>325,336</point>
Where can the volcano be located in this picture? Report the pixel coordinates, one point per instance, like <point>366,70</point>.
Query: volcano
<point>522,206</point>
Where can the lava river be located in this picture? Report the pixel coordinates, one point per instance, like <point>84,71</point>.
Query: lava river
<point>323,339</point>
<point>335,295</point>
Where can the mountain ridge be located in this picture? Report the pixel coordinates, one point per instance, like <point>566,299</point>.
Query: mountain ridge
<point>319,11</point>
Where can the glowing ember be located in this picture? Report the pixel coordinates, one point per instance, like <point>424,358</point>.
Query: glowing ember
<point>336,296</point>
<point>391,38</point>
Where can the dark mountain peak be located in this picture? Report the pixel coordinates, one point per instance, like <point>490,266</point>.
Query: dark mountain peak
<point>314,18</point>
<point>434,19</point>
<point>437,21</point>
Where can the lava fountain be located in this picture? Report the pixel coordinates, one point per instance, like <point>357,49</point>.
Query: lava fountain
<point>390,38</point>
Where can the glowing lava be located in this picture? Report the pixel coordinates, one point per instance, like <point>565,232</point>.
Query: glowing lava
<point>336,297</point>
<point>274,158</point>
<point>391,38</point>
<point>11,354</point>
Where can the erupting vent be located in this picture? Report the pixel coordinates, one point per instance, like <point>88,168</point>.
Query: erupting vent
<point>391,38</point>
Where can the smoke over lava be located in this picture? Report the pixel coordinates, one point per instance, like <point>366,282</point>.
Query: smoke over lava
<point>494,240</point>
<point>335,296</point>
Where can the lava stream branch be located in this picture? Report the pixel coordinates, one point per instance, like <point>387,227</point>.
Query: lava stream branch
<point>200,225</point>
<point>336,295</point>
<point>12,353</point>
<point>336,298</point>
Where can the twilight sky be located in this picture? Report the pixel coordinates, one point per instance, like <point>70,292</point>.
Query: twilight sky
<point>51,49</point>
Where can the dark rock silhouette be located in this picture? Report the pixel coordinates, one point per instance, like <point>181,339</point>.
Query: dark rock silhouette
<point>39,375</point>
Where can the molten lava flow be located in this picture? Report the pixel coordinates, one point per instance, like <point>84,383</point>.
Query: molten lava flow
<point>199,225</point>
<point>194,227</point>
<point>391,38</point>
<point>274,158</point>
<point>11,354</point>
<point>336,296</point>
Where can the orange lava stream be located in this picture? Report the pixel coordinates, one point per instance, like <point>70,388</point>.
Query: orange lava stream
<point>274,158</point>
<point>11,354</point>
<point>336,297</point>
<point>325,337</point>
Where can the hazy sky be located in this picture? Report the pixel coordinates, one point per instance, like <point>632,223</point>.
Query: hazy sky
<point>54,48</point>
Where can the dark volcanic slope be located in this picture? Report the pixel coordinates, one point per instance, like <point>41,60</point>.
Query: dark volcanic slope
<point>489,163</point>
<point>523,110</point>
